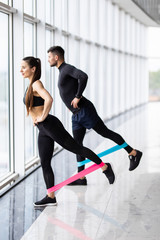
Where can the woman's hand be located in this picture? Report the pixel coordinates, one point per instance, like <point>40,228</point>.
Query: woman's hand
<point>38,119</point>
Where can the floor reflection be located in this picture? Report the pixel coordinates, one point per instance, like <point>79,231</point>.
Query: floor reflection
<point>133,202</point>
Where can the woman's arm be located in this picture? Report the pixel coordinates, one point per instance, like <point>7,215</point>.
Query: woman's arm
<point>43,93</point>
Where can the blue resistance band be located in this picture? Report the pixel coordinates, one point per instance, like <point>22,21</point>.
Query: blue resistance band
<point>102,154</point>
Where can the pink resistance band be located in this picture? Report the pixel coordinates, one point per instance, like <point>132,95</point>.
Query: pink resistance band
<point>75,177</point>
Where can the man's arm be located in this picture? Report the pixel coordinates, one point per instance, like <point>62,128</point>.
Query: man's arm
<point>82,78</point>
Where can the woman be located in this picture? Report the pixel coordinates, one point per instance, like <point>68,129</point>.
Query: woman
<point>38,104</point>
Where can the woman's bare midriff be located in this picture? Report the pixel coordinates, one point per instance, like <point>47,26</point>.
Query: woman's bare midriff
<point>36,112</point>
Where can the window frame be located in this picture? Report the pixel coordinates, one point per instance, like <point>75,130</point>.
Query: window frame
<point>11,175</point>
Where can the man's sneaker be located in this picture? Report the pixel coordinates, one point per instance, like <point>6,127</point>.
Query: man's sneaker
<point>134,160</point>
<point>47,201</point>
<point>109,173</point>
<point>78,182</point>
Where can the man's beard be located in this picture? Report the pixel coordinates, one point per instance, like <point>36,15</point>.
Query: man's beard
<point>54,64</point>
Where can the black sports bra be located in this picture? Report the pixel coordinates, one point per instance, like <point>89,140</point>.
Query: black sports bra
<point>37,101</point>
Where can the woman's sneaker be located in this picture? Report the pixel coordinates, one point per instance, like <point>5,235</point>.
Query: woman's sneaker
<point>46,201</point>
<point>79,181</point>
<point>135,160</point>
<point>109,173</point>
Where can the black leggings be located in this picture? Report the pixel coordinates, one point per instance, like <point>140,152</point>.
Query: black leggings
<point>50,130</point>
<point>101,129</point>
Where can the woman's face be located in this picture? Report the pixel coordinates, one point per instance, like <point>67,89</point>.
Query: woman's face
<point>26,70</point>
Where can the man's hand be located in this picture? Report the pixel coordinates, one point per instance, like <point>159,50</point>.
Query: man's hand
<point>75,102</point>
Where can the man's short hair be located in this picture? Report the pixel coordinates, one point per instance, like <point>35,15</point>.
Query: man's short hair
<point>57,50</point>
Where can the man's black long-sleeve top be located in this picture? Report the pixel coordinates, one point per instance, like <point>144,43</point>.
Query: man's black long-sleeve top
<point>71,84</point>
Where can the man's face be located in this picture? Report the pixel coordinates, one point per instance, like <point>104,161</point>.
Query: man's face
<point>52,59</point>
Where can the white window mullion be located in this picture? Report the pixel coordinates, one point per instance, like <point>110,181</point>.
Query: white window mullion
<point>11,93</point>
<point>30,19</point>
<point>18,91</point>
<point>7,9</point>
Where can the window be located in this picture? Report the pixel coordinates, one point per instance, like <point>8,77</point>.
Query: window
<point>48,11</point>
<point>93,21</point>
<point>64,11</point>
<point>109,22</point>
<point>122,30</point>
<point>48,79</point>
<point>73,16</point>
<point>93,72</point>
<point>115,29</point>
<point>28,7</point>
<point>122,79</point>
<point>102,20</point>
<point>84,19</point>
<point>4,95</point>
<point>5,1</point>
<point>58,13</point>
<point>115,83</point>
<point>85,64</point>
<point>29,129</point>
<point>28,39</point>
<point>109,78</point>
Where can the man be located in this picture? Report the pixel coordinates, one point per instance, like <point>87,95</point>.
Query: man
<point>71,84</point>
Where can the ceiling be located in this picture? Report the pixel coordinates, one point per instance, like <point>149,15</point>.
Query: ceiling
<point>145,11</point>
